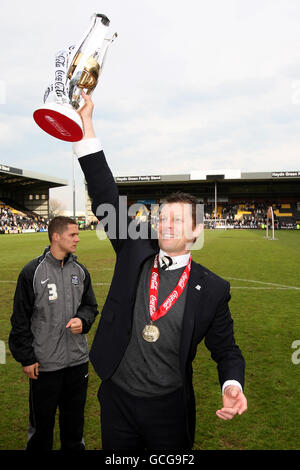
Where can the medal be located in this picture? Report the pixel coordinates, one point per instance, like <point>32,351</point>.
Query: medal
<point>151,333</point>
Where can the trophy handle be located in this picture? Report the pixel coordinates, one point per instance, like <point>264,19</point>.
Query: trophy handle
<point>110,41</point>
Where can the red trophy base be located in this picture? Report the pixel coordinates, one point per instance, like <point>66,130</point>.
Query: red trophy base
<point>60,121</point>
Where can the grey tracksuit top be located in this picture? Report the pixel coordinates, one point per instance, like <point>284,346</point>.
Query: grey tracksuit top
<point>47,296</point>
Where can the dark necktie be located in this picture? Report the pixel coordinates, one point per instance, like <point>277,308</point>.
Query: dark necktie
<point>166,262</point>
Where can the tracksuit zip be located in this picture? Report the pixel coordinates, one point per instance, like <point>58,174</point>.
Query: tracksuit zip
<point>64,326</point>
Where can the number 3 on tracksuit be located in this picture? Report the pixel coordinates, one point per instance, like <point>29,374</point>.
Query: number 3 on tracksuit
<point>52,291</point>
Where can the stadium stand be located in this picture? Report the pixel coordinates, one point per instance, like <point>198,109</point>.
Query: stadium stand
<point>241,215</point>
<point>26,192</point>
<point>253,215</point>
<point>15,221</point>
<point>242,198</point>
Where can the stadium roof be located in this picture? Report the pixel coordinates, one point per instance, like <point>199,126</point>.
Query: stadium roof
<point>232,184</point>
<point>210,175</point>
<point>10,176</point>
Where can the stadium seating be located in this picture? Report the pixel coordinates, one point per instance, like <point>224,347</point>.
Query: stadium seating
<point>15,221</point>
<point>244,214</point>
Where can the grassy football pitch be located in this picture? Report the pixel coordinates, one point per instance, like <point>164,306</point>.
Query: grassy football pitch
<point>265,290</point>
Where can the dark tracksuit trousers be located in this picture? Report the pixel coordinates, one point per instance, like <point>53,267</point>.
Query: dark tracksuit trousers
<point>66,390</point>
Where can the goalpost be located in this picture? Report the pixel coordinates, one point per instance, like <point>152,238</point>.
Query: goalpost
<point>270,216</point>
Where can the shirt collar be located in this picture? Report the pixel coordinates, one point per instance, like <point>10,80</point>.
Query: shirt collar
<point>70,257</point>
<point>178,261</point>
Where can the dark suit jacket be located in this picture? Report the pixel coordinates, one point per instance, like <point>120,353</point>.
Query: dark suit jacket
<point>206,316</point>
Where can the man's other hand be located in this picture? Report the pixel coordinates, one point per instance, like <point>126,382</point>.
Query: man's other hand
<point>234,402</point>
<point>75,325</point>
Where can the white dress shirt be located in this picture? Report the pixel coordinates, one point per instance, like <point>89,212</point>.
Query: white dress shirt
<point>177,261</point>
<point>86,147</point>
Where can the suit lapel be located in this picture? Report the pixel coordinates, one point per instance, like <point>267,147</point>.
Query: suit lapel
<point>196,288</point>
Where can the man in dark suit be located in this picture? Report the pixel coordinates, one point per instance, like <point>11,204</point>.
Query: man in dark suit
<point>160,306</point>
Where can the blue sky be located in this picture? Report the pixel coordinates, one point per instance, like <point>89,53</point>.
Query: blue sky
<point>186,85</point>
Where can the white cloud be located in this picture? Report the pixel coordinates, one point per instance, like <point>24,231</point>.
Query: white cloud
<point>185,85</point>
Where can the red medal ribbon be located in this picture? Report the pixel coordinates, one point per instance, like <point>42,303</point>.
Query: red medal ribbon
<point>172,298</point>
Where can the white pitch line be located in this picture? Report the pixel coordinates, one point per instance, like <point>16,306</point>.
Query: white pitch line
<point>274,286</point>
<point>263,282</point>
<point>264,288</point>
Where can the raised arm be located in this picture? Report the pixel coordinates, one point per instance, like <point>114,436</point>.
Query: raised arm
<point>107,206</point>
<point>102,188</point>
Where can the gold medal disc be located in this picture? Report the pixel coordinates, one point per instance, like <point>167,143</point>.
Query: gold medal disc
<point>150,333</point>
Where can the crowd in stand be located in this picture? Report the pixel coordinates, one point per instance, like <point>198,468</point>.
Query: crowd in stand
<point>256,217</point>
<point>241,215</point>
<point>17,222</point>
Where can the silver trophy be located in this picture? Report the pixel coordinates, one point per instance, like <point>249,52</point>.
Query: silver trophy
<point>77,68</point>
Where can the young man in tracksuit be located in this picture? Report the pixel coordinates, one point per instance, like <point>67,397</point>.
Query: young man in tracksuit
<point>54,307</point>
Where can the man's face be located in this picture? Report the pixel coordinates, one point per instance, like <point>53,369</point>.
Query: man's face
<point>175,230</point>
<point>67,241</point>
